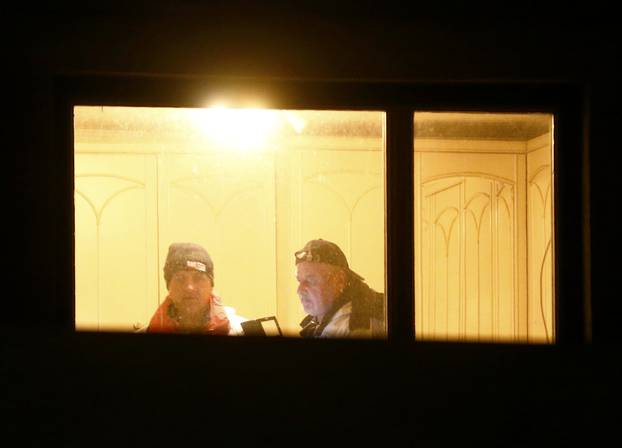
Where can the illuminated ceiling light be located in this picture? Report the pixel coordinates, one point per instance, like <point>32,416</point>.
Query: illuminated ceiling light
<point>241,129</point>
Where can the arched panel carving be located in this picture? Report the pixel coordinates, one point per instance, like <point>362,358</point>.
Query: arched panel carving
<point>112,243</point>
<point>468,261</point>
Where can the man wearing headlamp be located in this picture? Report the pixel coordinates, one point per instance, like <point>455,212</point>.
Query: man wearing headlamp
<point>338,303</point>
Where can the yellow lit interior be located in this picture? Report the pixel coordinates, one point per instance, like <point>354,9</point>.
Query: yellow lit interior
<point>251,186</point>
<point>483,227</point>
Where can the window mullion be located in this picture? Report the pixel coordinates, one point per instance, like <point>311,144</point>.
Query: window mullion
<point>400,224</point>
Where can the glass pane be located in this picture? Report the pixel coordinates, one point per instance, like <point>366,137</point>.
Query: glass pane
<point>250,187</point>
<point>484,252</point>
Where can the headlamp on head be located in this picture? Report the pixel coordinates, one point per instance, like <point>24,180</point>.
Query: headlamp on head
<point>322,251</point>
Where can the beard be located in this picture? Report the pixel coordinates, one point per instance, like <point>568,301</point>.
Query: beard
<point>307,304</point>
<point>189,305</point>
<point>191,309</point>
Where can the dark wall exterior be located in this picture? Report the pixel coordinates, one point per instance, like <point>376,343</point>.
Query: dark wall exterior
<point>105,389</point>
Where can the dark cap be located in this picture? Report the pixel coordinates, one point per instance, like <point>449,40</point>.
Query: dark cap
<point>183,256</point>
<point>323,251</point>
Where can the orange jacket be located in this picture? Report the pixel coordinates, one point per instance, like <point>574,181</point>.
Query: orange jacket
<point>218,322</point>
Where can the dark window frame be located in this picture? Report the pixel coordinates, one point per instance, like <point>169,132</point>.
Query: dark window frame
<point>399,100</point>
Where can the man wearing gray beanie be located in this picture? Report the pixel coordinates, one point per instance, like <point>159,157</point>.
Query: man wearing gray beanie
<point>191,306</point>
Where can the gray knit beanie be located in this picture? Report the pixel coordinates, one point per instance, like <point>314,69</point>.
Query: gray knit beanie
<point>183,256</point>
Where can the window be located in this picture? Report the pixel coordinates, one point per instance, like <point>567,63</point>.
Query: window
<point>483,227</point>
<point>251,186</point>
<point>370,166</point>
